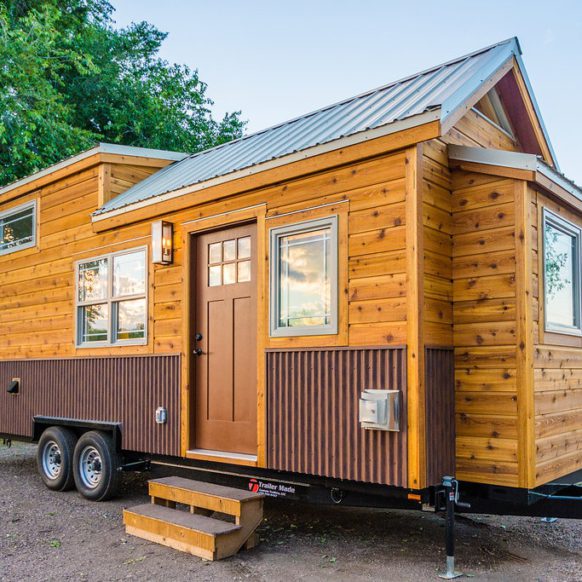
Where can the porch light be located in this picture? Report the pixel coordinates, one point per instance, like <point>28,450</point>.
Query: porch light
<point>162,243</point>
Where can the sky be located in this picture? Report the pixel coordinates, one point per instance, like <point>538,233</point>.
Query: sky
<point>275,60</point>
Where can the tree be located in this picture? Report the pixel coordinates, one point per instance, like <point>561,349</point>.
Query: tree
<point>69,79</point>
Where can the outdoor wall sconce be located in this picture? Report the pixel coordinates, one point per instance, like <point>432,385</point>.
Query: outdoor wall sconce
<point>162,248</point>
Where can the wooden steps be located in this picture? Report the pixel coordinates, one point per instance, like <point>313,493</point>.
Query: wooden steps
<point>196,532</point>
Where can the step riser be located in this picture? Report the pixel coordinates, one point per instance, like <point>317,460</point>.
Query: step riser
<point>170,543</point>
<point>171,535</point>
<point>195,499</point>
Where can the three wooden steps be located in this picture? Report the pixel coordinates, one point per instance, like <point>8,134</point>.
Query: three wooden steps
<point>197,532</point>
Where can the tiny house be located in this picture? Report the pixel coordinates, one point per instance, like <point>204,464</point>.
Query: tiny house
<point>364,299</point>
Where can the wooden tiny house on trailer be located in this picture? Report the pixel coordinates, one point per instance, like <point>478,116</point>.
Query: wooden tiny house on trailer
<point>366,298</point>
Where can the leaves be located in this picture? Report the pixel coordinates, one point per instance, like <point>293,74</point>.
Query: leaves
<point>69,79</point>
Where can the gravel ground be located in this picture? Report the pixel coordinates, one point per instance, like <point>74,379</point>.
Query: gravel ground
<point>60,536</point>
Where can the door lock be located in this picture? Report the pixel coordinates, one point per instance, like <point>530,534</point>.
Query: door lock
<point>198,337</point>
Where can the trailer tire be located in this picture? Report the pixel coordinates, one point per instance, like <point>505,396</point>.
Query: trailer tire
<point>96,466</point>
<point>54,458</point>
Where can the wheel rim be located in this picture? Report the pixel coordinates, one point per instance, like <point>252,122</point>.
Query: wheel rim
<point>90,467</point>
<point>52,460</point>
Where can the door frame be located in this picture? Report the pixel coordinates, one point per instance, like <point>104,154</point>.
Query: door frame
<point>192,228</point>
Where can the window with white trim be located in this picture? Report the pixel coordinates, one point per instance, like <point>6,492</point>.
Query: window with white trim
<point>18,228</point>
<point>561,275</point>
<point>304,278</point>
<point>112,299</point>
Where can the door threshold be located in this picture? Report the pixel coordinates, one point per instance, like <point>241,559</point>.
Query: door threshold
<point>222,457</point>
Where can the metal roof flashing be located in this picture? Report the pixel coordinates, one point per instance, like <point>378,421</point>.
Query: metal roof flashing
<point>515,160</point>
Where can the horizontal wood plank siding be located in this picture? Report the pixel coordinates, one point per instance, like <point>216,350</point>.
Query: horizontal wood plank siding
<point>485,328</point>
<point>557,374</point>
<point>125,390</point>
<point>313,426</point>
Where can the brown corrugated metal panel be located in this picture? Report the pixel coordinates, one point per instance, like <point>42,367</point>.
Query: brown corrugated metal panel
<point>440,413</point>
<point>313,426</point>
<point>123,389</point>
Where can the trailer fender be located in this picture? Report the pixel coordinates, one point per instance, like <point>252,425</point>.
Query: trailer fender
<point>41,423</point>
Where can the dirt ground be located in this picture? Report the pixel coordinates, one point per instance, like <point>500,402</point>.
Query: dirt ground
<point>60,536</point>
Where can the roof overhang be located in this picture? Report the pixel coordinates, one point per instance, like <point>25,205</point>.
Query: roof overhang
<point>506,59</point>
<point>99,149</point>
<point>429,119</point>
<point>517,165</point>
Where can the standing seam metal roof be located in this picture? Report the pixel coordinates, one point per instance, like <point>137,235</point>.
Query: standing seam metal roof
<point>444,87</point>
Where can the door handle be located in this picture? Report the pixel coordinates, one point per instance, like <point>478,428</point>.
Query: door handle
<point>198,352</point>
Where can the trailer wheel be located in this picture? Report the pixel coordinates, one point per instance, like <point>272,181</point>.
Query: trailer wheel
<point>95,466</point>
<point>54,458</point>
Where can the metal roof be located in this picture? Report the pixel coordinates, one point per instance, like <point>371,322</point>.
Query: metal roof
<point>100,148</point>
<point>433,94</point>
<point>517,160</point>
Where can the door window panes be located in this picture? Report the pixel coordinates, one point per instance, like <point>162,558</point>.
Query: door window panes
<point>229,262</point>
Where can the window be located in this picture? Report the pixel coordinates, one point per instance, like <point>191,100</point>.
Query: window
<point>561,275</point>
<point>304,278</point>
<point>491,107</point>
<point>229,262</point>
<point>18,228</point>
<point>111,299</point>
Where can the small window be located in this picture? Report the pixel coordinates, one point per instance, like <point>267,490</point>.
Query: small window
<point>18,228</point>
<point>561,275</point>
<point>304,278</point>
<point>111,299</point>
<point>491,107</point>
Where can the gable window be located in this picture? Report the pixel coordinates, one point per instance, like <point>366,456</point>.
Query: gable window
<point>304,278</point>
<point>491,107</point>
<point>561,275</point>
<point>111,299</point>
<point>18,228</point>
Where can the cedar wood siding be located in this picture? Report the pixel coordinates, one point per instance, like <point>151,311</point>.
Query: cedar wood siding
<point>38,287</point>
<point>483,303</point>
<point>469,303</point>
<point>557,371</point>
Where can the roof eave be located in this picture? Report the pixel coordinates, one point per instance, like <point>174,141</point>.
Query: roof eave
<point>100,148</point>
<point>516,161</point>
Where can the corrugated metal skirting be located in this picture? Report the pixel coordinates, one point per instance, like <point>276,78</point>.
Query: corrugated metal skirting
<point>440,413</point>
<point>313,425</point>
<point>110,389</point>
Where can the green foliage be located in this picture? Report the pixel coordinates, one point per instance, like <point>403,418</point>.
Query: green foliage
<point>555,262</point>
<point>68,79</point>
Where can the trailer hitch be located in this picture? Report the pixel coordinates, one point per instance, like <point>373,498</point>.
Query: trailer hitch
<point>448,499</point>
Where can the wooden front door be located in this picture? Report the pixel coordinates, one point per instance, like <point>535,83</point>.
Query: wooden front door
<point>225,340</point>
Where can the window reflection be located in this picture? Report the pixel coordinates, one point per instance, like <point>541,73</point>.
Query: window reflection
<point>129,274</point>
<point>304,285</point>
<point>560,275</point>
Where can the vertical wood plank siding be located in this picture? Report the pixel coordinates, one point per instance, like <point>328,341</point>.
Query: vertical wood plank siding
<point>126,390</point>
<point>440,413</point>
<point>313,424</point>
